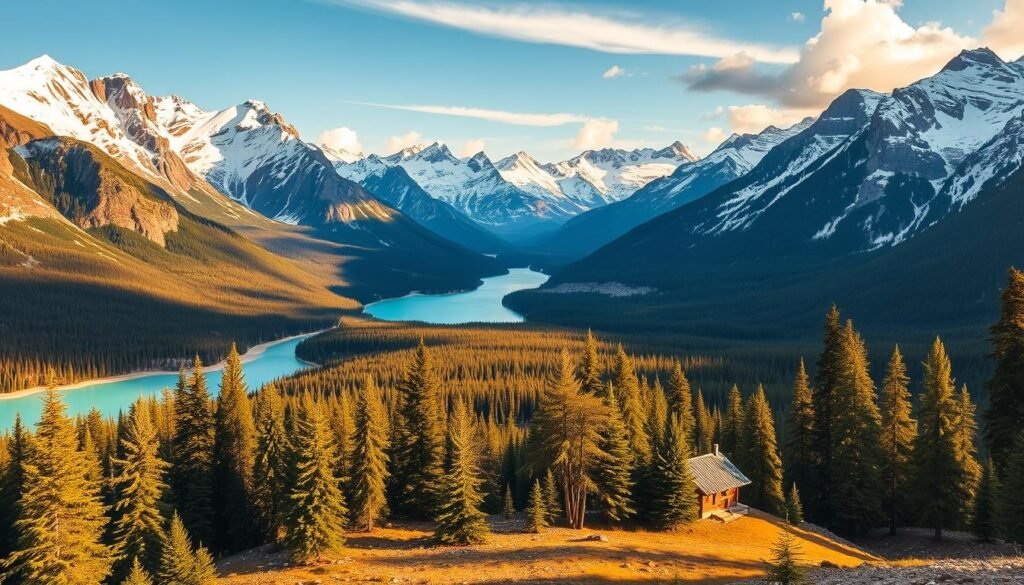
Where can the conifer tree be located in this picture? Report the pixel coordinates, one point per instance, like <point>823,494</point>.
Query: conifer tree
<point>180,564</point>
<point>627,386</point>
<point>1005,414</point>
<point>459,520</point>
<point>819,503</point>
<point>270,466</point>
<point>967,456</point>
<point>940,477</point>
<point>794,509</point>
<point>316,518</point>
<point>234,456</point>
<point>419,439</point>
<point>93,464</point>
<point>899,429</point>
<point>566,425</point>
<point>856,486</point>
<point>137,575</point>
<point>192,468</point>
<point>589,374</point>
<point>675,497</point>
<point>680,400</point>
<point>985,518</point>
<point>61,518</point>
<point>760,456</point>
<point>704,426</point>
<point>784,568</point>
<point>1011,501</point>
<point>139,494</point>
<point>799,449</point>
<point>536,510</point>
<point>552,500</point>
<point>11,486</point>
<point>370,458</point>
<point>614,480</point>
<point>732,423</point>
<point>508,507</point>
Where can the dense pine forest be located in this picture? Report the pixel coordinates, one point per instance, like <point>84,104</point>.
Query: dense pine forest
<point>567,429</point>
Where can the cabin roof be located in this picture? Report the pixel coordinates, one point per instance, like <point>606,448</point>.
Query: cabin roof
<point>715,473</point>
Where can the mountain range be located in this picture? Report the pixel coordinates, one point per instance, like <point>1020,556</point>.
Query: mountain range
<point>855,192</point>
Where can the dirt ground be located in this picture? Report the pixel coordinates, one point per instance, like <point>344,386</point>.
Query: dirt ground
<point>705,552</point>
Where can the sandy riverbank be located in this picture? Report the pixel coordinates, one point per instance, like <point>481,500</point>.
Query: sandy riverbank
<point>253,353</point>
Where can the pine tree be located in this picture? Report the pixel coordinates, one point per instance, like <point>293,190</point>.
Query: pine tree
<point>552,501</point>
<point>1005,414</point>
<point>680,400</point>
<point>634,416</point>
<point>614,480</point>
<point>784,568</point>
<point>985,517</point>
<point>508,507</point>
<point>1011,501</point>
<point>589,374</point>
<point>732,423</point>
<point>234,456</point>
<point>343,424</point>
<point>139,491</point>
<point>899,430</point>
<point>794,509</point>
<point>370,458</point>
<point>566,425</point>
<point>855,456</point>
<point>459,520</point>
<point>820,504</point>
<point>11,486</point>
<point>967,456</point>
<point>192,467</point>
<point>180,564</point>
<point>137,575</point>
<point>799,448</point>
<point>316,518</point>
<point>675,496</point>
<point>760,456</point>
<point>704,426</point>
<point>418,458</point>
<point>536,510</point>
<point>270,467</point>
<point>940,477</point>
<point>61,518</point>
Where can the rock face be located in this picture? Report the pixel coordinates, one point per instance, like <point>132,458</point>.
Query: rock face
<point>92,190</point>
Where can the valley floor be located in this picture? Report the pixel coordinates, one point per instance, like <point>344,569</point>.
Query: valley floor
<point>706,552</point>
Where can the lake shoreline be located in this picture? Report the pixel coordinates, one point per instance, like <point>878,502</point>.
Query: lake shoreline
<point>253,353</point>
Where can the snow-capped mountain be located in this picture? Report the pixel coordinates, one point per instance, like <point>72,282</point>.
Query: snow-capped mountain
<point>594,178</point>
<point>873,172</point>
<point>736,156</point>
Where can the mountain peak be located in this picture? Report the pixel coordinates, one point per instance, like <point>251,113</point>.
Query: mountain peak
<point>436,152</point>
<point>479,161</point>
<point>969,57</point>
<point>43,61</point>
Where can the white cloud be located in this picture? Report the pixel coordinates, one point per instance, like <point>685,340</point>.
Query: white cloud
<point>797,17</point>
<point>396,143</point>
<point>471,147</point>
<point>1005,34</point>
<point>756,117</point>
<point>714,135</point>
<point>574,27</point>
<point>341,138</point>
<point>596,133</point>
<point>613,72</point>
<point>515,118</point>
<point>862,43</point>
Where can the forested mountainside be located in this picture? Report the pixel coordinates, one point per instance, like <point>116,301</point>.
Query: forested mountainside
<point>913,215</point>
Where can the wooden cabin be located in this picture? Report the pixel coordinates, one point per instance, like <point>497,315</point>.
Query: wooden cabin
<point>718,485</point>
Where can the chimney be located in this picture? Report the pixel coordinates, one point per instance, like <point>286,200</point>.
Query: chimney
<point>716,449</point>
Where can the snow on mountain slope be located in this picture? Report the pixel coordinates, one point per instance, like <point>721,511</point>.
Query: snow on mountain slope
<point>990,165</point>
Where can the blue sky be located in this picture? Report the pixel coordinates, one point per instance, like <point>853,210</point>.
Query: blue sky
<point>684,63</point>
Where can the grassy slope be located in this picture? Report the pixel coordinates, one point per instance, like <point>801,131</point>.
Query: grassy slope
<point>706,552</point>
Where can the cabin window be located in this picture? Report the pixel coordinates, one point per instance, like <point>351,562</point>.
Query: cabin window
<point>714,498</point>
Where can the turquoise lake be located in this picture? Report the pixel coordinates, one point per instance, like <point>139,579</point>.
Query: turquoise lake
<point>482,305</point>
<point>110,397</point>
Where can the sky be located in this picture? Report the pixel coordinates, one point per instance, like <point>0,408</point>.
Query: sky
<point>552,78</point>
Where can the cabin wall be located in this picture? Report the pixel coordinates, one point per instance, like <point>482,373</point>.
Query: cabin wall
<point>718,501</point>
